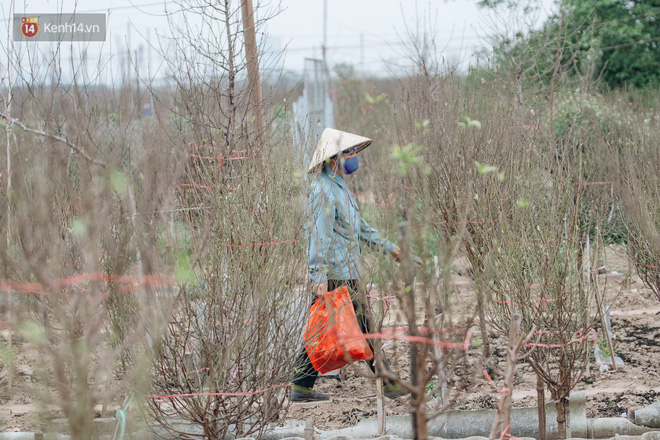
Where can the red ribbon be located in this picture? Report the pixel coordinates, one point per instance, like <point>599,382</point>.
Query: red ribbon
<point>250,393</point>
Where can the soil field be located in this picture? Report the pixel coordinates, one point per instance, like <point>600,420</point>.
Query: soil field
<point>635,318</point>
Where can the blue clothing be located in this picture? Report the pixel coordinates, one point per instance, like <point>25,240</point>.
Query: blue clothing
<point>336,230</point>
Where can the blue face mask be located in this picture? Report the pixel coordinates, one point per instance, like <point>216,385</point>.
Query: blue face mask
<point>351,165</point>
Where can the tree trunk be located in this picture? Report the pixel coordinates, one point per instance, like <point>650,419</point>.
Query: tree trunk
<point>563,402</point>
<point>503,414</point>
<point>481,310</point>
<point>419,421</point>
<point>562,419</point>
<point>481,307</point>
<point>519,97</point>
<point>420,430</point>
<point>565,378</point>
<point>540,398</point>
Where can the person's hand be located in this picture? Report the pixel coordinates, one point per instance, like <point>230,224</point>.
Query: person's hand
<point>396,253</point>
<point>320,289</point>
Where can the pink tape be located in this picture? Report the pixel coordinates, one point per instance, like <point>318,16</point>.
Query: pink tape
<point>263,244</point>
<point>38,288</point>
<point>462,345</point>
<point>251,393</point>
<point>573,341</point>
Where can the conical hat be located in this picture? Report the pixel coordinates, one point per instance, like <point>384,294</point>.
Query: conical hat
<point>334,142</point>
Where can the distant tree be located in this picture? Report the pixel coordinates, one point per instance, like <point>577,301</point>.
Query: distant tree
<point>614,40</point>
<point>625,35</point>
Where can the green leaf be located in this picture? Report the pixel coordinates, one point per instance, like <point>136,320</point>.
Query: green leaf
<point>375,100</point>
<point>7,356</point>
<point>183,271</point>
<point>78,227</point>
<point>484,169</point>
<point>466,122</point>
<point>522,203</point>
<point>118,182</point>
<point>33,332</point>
<point>423,126</point>
<point>406,156</point>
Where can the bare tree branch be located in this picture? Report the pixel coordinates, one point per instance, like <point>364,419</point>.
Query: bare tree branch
<point>77,149</point>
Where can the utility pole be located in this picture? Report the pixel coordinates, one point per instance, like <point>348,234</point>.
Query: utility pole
<point>362,54</point>
<point>138,55</point>
<point>128,54</point>
<point>325,31</point>
<point>100,60</point>
<point>149,54</point>
<point>122,70</point>
<point>251,53</point>
<point>151,94</point>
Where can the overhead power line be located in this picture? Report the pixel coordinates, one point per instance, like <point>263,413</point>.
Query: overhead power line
<point>373,45</point>
<point>117,8</point>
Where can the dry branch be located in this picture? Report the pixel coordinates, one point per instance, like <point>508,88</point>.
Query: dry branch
<point>516,343</point>
<point>62,139</point>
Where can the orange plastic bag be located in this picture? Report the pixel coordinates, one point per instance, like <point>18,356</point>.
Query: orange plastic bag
<point>333,337</point>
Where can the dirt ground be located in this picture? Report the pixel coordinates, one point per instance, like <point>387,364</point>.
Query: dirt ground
<point>635,317</point>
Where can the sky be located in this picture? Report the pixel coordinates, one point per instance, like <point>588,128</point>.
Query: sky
<point>371,35</point>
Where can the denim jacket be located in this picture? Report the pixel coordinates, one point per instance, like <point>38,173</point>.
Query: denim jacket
<point>336,229</point>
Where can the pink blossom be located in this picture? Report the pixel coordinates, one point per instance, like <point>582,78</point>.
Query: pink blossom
<point>483,81</point>
<point>532,112</point>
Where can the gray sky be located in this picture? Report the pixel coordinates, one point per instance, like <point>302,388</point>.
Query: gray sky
<point>370,31</point>
<point>369,34</point>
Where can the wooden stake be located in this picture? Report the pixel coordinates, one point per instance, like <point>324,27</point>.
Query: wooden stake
<point>309,429</point>
<point>540,399</point>
<point>630,272</point>
<point>254,79</point>
<point>380,405</point>
<point>603,321</point>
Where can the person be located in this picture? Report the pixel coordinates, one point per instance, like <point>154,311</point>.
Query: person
<point>336,233</point>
